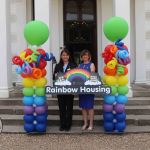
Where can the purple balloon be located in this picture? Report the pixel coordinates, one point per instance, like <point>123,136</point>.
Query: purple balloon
<point>28,110</point>
<point>40,109</point>
<point>107,108</point>
<point>119,108</point>
<point>46,106</point>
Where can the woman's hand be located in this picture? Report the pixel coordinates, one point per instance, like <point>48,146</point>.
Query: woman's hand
<point>92,67</point>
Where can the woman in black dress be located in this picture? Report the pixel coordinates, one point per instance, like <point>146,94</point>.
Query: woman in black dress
<point>65,101</point>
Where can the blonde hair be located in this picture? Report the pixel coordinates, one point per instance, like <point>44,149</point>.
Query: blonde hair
<point>84,52</point>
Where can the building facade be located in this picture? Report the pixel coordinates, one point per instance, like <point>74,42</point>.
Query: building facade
<point>76,24</point>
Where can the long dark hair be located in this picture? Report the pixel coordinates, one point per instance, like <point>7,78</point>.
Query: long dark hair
<point>68,53</point>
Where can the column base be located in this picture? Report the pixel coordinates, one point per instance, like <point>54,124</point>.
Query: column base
<point>141,81</point>
<point>5,92</point>
<point>130,93</point>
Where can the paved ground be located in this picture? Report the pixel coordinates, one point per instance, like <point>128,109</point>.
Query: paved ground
<point>75,142</point>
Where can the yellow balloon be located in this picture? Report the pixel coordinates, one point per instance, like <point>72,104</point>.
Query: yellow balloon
<point>123,80</point>
<point>104,78</point>
<point>111,80</point>
<point>40,82</point>
<point>112,64</point>
<point>22,55</point>
<point>28,82</point>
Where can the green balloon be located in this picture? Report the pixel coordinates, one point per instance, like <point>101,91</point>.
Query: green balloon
<point>116,28</point>
<point>40,91</point>
<point>36,32</point>
<point>28,91</point>
<point>123,90</point>
<point>113,90</point>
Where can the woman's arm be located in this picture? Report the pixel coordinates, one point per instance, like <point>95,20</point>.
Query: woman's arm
<point>55,72</point>
<point>92,67</point>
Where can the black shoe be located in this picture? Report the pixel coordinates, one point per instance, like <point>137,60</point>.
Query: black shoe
<point>67,128</point>
<point>61,128</point>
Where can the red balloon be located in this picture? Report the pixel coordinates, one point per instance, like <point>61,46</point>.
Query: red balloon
<point>109,53</point>
<point>42,52</point>
<point>42,64</point>
<point>28,52</point>
<point>44,72</point>
<point>17,60</point>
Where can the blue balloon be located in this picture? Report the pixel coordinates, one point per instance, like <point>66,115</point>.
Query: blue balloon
<point>120,117</point>
<point>28,100</point>
<point>41,118</point>
<point>121,99</point>
<point>108,117</point>
<point>41,128</point>
<point>120,126</point>
<point>109,99</point>
<point>29,128</point>
<point>40,101</point>
<point>108,126</point>
<point>28,118</point>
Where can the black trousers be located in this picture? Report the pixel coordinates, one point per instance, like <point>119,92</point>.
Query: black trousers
<point>65,103</point>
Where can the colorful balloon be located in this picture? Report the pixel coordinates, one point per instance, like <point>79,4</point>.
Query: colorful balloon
<point>40,91</point>
<point>29,127</point>
<point>113,90</point>
<point>111,80</point>
<point>40,100</point>
<point>40,82</point>
<point>109,99</point>
<point>109,126</point>
<point>28,91</point>
<point>115,28</point>
<point>123,90</point>
<point>28,82</point>
<point>122,80</point>
<point>28,100</point>
<point>108,117</point>
<point>36,32</point>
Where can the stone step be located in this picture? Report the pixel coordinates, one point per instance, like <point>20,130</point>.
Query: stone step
<point>76,130</point>
<point>141,93</point>
<point>53,120</point>
<point>53,101</point>
<point>54,110</point>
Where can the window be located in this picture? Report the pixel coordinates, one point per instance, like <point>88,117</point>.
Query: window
<point>71,10</point>
<point>87,10</point>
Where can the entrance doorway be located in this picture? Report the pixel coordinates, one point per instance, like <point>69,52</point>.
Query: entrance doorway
<point>80,28</point>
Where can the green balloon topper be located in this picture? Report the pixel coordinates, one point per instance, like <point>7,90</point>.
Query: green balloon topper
<point>36,32</point>
<point>116,28</point>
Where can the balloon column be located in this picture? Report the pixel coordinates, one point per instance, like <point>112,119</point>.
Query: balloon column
<point>31,65</point>
<point>116,57</point>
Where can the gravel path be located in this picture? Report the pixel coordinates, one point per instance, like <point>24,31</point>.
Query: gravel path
<point>75,142</point>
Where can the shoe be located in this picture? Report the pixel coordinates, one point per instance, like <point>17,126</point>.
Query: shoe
<point>90,128</point>
<point>67,128</point>
<point>61,128</point>
<point>84,127</point>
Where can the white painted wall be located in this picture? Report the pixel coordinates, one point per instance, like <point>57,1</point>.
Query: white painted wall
<point>21,12</point>
<point>140,40</point>
<point>104,11</point>
<point>147,39</point>
<point>5,60</point>
<point>132,42</point>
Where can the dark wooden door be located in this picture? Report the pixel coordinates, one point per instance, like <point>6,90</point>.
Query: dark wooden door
<point>80,30</point>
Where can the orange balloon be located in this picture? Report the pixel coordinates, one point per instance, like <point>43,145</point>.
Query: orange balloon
<point>125,71</point>
<point>36,73</point>
<point>108,71</point>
